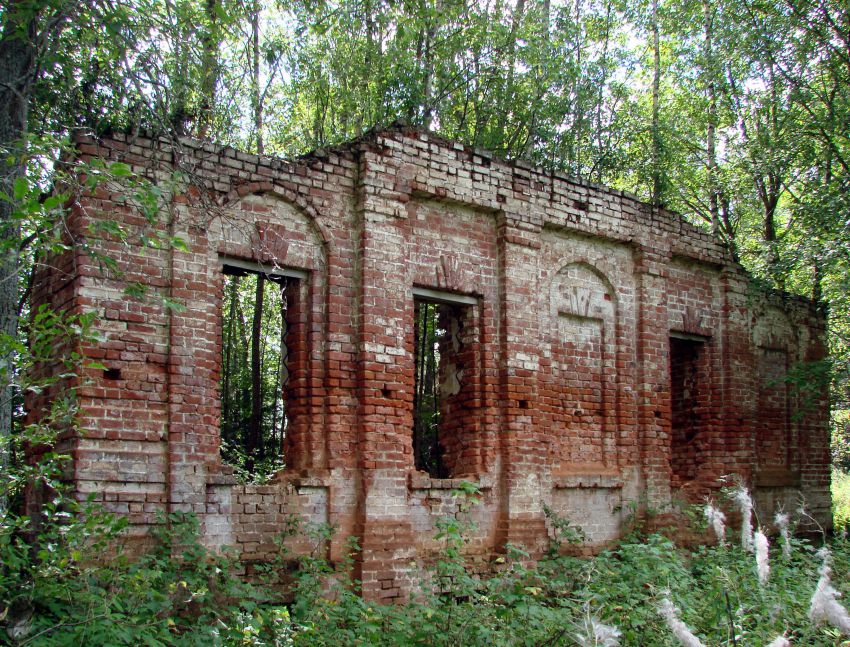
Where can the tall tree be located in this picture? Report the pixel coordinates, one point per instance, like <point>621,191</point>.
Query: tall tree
<point>18,66</point>
<point>657,173</point>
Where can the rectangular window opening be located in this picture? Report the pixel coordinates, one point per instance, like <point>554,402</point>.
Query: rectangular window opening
<point>438,374</point>
<point>686,385</point>
<point>255,369</point>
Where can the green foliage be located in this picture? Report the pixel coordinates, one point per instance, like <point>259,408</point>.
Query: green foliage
<point>63,577</point>
<point>840,425</point>
<point>716,587</point>
<point>563,532</point>
<point>841,499</point>
<point>56,588</point>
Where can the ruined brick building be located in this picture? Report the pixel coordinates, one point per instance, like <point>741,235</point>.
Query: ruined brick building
<point>602,352</point>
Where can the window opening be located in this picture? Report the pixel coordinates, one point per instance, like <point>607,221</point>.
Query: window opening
<point>687,394</point>
<point>256,310</point>
<point>437,378</point>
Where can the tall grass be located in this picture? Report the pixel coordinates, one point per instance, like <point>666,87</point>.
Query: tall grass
<point>840,499</point>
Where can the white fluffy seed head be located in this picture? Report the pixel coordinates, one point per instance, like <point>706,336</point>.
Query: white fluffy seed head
<point>717,520</point>
<point>741,496</point>
<point>780,641</point>
<point>825,558</point>
<point>596,634</point>
<point>781,521</point>
<point>825,606</point>
<point>762,556</point>
<point>678,628</point>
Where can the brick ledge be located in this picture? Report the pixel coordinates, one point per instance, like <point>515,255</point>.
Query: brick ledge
<point>422,481</point>
<point>609,480</point>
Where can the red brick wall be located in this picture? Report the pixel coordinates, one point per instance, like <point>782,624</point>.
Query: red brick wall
<point>568,390</point>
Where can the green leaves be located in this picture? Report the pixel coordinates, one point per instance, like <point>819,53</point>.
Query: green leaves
<point>120,170</point>
<point>21,188</point>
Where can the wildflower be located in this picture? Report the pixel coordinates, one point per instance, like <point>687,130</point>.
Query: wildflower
<point>762,550</point>
<point>741,496</point>
<point>680,630</point>
<point>781,521</point>
<point>717,520</point>
<point>780,641</point>
<point>597,634</point>
<point>825,605</point>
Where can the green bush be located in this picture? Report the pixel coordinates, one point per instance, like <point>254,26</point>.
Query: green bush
<point>55,591</point>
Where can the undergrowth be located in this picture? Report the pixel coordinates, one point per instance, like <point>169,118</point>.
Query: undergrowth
<point>53,592</point>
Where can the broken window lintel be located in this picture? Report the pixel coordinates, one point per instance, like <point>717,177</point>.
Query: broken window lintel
<point>256,268</point>
<point>675,334</point>
<point>566,314</point>
<point>441,296</point>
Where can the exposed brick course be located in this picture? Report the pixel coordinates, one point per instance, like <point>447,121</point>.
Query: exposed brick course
<point>599,328</point>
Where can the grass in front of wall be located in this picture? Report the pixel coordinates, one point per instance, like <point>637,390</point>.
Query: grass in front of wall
<point>840,499</point>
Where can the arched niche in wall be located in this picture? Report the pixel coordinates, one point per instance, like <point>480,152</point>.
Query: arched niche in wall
<point>265,238</point>
<point>583,314</point>
<point>775,346</point>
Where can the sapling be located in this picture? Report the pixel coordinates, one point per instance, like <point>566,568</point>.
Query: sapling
<point>680,630</point>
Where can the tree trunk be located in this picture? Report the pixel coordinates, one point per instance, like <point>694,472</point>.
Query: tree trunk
<point>576,81</point>
<point>254,445</point>
<point>540,81</point>
<point>256,96</point>
<point>428,68</point>
<point>600,134</point>
<point>711,131</point>
<point>179,116</point>
<point>657,183</point>
<point>17,71</point>
<point>210,42</point>
<point>227,397</point>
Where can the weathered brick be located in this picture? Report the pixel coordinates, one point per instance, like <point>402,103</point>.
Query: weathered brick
<point>607,352</point>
